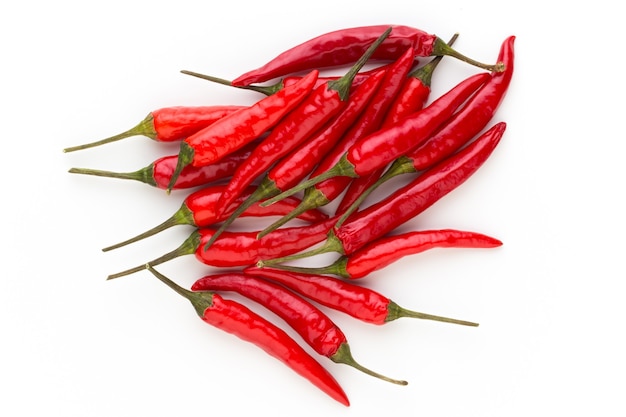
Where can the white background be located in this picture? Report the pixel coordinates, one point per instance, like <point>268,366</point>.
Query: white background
<point>550,301</point>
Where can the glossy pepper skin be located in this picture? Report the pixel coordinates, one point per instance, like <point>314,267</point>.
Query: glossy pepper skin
<point>357,301</point>
<point>237,319</point>
<point>315,327</point>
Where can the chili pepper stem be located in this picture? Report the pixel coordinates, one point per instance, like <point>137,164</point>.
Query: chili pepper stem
<point>142,175</point>
<point>267,90</point>
<point>185,156</point>
<point>425,73</point>
<point>336,268</point>
<point>331,244</point>
<point>442,48</point>
<point>182,216</point>
<point>188,247</point>
<point>145,128</point>
<point>200,300</point>
<point>344,356</point>
<point>396,312</point>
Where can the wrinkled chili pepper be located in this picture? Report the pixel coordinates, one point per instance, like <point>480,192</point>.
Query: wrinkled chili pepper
<point>311,114</point>
<point>198,209</point>
<point>383,251</point>
<point>324,192</point>
<point>346,45</point>
<point>169,124</point>
<point>315,327</point>
<point>357,301</point>
<point>237,319</point>
<point>159,173</point>
<point>235,249</point>
<point>242,127</point>
<point>407,201</point>
<point>378,149</point>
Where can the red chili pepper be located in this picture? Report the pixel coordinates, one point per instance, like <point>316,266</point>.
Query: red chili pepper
<point>384,251</point>
<point>378,149</point>
<point>357,301</point>
<point>169,124</point>
<point>198,209</point>
<point>159,173</point>
<point>408,201</point>
<point>346,45</point>
<point>237,319</point>
<point>235,249</point>
<point>242,127</point>
<point>315,327</point>
<point>370,120</point>
<point>311,114</point>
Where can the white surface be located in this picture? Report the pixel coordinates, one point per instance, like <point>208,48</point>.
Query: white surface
<point>550,301</point>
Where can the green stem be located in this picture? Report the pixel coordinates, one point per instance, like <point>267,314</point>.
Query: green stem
<point>185,156</point>
<point>396,312</point>
<point>337,268</point>
<point>344,356</point>
<point>188,247</point>
<point>332,244</point>
<point>425,73</point>
<point>267,90</point>
<point>145,128</point>
<point>144,175</point>
<point>200,300</point>
<point>441,48</point>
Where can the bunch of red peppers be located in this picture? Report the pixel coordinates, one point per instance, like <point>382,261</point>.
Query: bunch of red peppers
<point>311,140</point>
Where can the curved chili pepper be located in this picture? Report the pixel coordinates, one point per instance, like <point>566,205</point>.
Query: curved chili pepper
<point>315,327</point>
<point>198,209</point>
<point>242,127</point>
<point>311,114</point>
<point>376,150</point>
<point>159,173</point>
<point>346,45</point>
<point>384,251</point>
<point>234,249</point>
<point>169,124</point>
<point>357,301</point>
<point>408,201</point>
<point>237,319</point>
<point>326,191</point>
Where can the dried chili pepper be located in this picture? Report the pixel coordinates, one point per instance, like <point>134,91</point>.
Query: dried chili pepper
<point>408,201</point>
<point>311,114</point>
<point>237,319</point>
<point>159,173</point>
<point>169,124</point>
<point>235,249</point>
<point>198,209</point>
<point>315,327</point>
<point>383,251</point>
<point>357,301</point>
<point>346,45</point>
<point>242,127</point>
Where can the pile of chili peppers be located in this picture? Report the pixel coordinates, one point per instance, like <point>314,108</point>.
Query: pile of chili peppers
<point>335,139</point>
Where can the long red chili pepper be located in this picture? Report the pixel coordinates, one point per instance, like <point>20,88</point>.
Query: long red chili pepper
<point>326,191</point>
<point>383,251</point>
<point>346,45</point>
<point>357,301</point>
<point>460,129</point>
<point>169,124</point>
<point>408,201</point>
<point>315,327</point>
<point>198,209</point>
<point>236,249</point>
<point>377,150</point>
<point>242,127</point>
<point>239,320</point>
<point>159,173</point>
<point>311,114</point>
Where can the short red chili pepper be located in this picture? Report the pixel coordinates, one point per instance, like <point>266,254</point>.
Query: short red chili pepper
<point>408,201</point>
<point>198,209</point>
<point>169,124</point>
<point>326,191</point>
<point>236,249</point>
<point>237,319</point>
<point>315,327</point>
<point>384,251</point>
<point>310,115</point>
<point>159,173</point>
<point>357,301</point>
<point>344,46</point>
<point>242,127</point>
